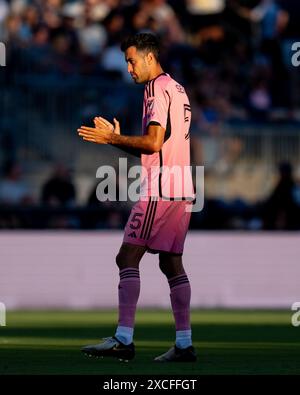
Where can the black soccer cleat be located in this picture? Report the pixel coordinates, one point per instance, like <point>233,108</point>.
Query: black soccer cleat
<point>111,347</point>
<point>176,354</point>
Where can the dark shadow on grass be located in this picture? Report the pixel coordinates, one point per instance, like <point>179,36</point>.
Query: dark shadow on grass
<point>165,332</point>
<point>211,360</point>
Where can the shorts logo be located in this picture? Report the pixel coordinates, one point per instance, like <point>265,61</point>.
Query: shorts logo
<point>133,234</point>
<point>180,88</point>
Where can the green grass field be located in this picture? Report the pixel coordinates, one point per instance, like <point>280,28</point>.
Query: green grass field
<point>228,342</point>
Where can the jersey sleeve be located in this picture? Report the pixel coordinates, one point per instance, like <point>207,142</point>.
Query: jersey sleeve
<point>158,106</point>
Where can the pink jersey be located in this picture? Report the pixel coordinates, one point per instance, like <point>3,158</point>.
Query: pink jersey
<point>167,173</point>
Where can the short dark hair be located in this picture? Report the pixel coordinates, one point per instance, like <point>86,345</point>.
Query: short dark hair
<point>147,42</point>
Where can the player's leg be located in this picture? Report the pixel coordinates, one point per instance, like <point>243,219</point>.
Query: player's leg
<point>128,260</point>
<point>121,344</point>
<point>180,294</point>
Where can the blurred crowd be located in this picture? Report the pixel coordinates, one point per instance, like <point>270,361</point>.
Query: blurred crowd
<point>57,207</point>
<point>233,56</point>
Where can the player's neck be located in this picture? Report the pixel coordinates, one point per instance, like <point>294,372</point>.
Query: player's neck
<point>158,71</point>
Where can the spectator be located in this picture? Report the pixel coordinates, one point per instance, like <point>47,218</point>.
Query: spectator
<point>59,190</point>
<point>107,214</point>
<point>259,101</point>
<point>13,190</point>
<point>271,19</point>
<point>281,210</point>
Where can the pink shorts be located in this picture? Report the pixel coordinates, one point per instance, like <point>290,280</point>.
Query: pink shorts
<point>160,225</point>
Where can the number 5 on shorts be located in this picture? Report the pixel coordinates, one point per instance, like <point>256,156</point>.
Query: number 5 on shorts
<point>135,221</point>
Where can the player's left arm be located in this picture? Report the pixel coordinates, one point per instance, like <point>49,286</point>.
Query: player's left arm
<point>149,143</point>
<point>101,122</point>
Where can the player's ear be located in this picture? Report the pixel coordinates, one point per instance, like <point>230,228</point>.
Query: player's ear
<point>150,58</point>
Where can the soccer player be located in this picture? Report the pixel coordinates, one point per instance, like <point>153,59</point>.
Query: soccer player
<point>159,221</point>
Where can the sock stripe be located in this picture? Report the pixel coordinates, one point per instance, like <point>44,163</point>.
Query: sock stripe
<point>177,285</point>
<point>177,277</point>
<point>129,269</point>
<point>130,272</point>
<point>184,281</point>
<point>179,280</point>
<point>130,276</point>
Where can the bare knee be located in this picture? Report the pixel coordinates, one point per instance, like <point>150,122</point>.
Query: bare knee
<point>120,260</point>
<point>163,265</point>
<point>129,256</point>
<point>124,260</point>
<point>171,265</point>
